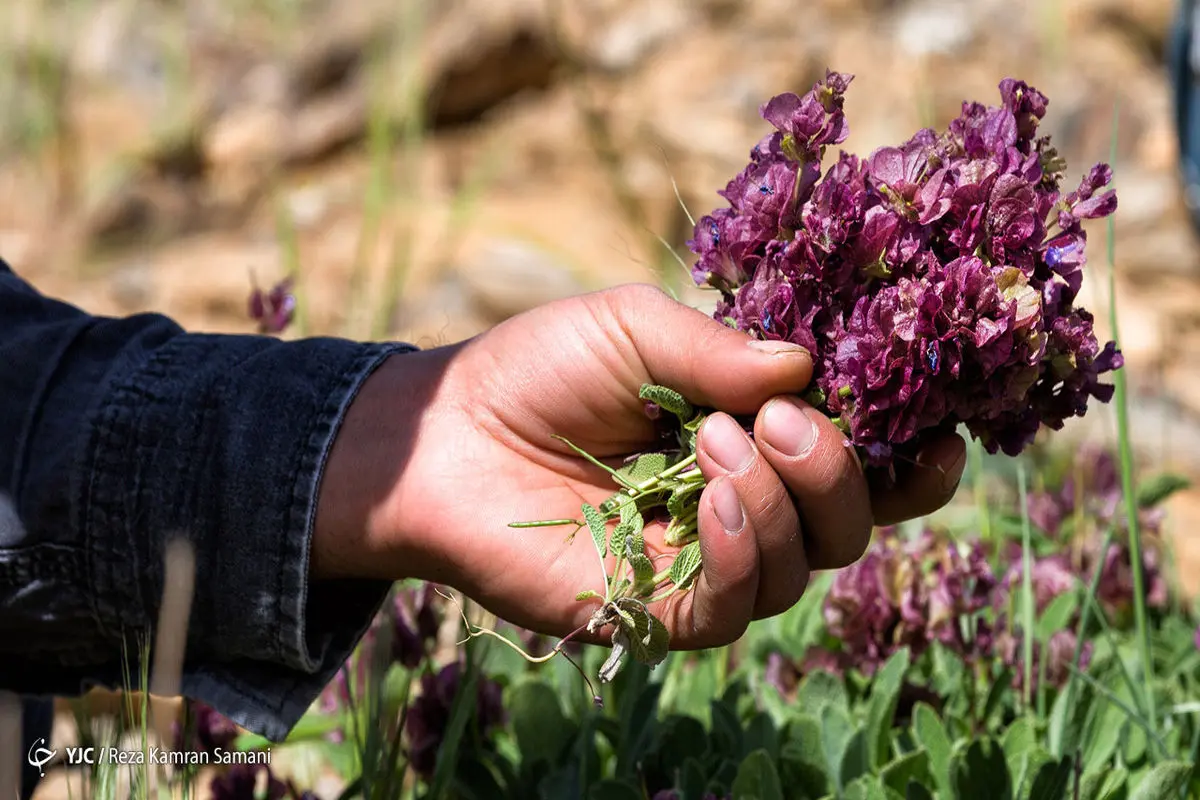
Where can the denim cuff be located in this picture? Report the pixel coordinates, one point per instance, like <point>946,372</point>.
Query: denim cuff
<point>223,440</point>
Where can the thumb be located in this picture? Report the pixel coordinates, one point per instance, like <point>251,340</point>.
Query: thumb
<point>707,362</point>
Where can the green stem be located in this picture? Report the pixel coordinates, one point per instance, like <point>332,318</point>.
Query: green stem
<point>1026,587</point>
<point>1126,460</point>
<point>670,471</point>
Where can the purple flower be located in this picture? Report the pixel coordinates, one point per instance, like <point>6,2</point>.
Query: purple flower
<point>211,730</point>
<point>429,714</point>
<point>416,624</point>
<point>1059,656</point>
<point>274,310</point>
<point>934,281</point>
<point>781,673</point>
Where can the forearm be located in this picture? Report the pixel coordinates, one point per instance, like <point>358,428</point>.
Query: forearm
<point>124,432</point>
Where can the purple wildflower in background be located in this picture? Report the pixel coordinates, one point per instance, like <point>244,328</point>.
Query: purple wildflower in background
<point>429,714</point>
<point>417,619</point>
<point>210,730</point>
<point>1059,655</point>
<point>274,309</point>
<point>908,594</point>
<point>933,282</point>
<point>255,782</point>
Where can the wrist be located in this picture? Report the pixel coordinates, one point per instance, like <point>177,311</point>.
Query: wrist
<point>378,447</point>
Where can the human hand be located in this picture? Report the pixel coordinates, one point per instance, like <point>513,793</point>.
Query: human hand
<point>443,449</point>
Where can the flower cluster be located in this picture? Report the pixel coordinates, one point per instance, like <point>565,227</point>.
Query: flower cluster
<point>429,714</point>
<point>934,282</point>
<point>930,589</point>
<point>909,594</point>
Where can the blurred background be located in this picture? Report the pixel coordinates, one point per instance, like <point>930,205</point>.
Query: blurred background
<point>423,170</point>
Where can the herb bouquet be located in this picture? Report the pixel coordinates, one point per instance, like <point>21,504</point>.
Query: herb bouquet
<point>934,284</point>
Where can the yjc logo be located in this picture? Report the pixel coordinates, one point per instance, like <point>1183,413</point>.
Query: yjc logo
<point>40,756</point>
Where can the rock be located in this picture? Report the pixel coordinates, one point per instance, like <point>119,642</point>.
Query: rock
<point>504,277</point>
<point>642,27</point>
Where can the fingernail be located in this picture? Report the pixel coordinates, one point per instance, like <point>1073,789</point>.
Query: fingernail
<point>728,506</point>
<point>776,347</point>
<point>954,473</point>
<point>726,443</point>
<point>788,428</point>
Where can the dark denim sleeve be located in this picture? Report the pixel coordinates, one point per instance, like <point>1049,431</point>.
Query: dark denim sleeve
<point>116,434</point>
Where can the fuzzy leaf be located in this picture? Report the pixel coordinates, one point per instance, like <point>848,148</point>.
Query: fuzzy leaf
<point>1158,488</point>
<point>929,731</point>
<point>836,730</point>
<point>620,534</point>
<point>648,639</point>
<point>668,400</point>
<point>686,566</point>
<point>645,467</point>
<point>885,694</point>
<point>630,515</point>
<point>588,594</point>
<point>643,567</point>
<point>1107,784</point>
<point>1017,741</point>
<point>978,771</point>
<point>598,526</point>
<point>757,779</point>
<point>1164,781</point>
<point>1052,780</point>
<point>910,767</point>
<point>685,498</point>
<point>634,543</point>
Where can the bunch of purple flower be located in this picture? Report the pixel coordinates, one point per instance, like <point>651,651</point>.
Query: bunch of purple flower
<point>934,282</point>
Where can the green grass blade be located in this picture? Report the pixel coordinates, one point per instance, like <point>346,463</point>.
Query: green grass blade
<point>1027,606</point>
<point>1125,451</point>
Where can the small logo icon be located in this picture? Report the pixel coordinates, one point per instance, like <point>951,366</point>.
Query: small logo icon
<point>40,756</point>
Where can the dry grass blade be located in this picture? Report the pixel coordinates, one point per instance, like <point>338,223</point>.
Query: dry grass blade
<point>170,641</point>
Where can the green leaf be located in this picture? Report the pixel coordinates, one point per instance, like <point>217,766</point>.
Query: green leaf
<point>645,467</point>
<point>885,694</point>
<point>867,787</point>
<point>668,400</point>
<point>1052,780</point>
<point>1018,740</point>
<point>802,757</point>
<point>648,639</point>
<point>686,565</point>
<point>1158,488</point>
<point>856,759</point>
<point>1106,785</point>
<point>760,734</point>
<point>681,499</point>
<point>643,568</point>
<point>541,730</point>
<point>1057,615</point>
<point>632,542</point>
<point>929,731</point>
<point>692,781</point>
<point>757,779</point>
<point>836,731</point>
<point>598,525</point>
<point>589,594</point>
<point>1164,781</point>
<point>819,689</point>
<point>910,767</point>
<point>979,772</point>
<point>1103,744</point>
<point>916,791</point>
